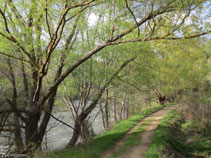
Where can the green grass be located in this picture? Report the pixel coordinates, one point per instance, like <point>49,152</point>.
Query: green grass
<point>172,135</point>
<point>132,140</point>
<point>100,143</point>
<point>170,104</point>
<point>201,141</point>
<point>161,137</point>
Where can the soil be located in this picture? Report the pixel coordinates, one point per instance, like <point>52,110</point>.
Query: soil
<point>140,150</point>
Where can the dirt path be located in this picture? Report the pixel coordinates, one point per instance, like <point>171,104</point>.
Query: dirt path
<point>139,150</point>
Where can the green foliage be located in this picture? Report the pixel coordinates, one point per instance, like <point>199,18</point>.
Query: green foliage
<point>169,66</point>
<point>103,141</point>
<point>163,136</point>
<point>173,136</point>
<point>30,30</point>
<point>197,106</point>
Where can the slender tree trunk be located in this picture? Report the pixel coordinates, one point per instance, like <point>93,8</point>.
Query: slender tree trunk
<point>106,110</point>
<point>49,109</point>
<point>127,109</point>
<point>115,113</point>
<point>102,113</point>
<point>114,105</point>
<point>123,108</point>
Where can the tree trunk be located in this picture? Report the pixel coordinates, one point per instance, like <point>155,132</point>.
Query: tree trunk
<point>114,104</point>
<point>102,113</point>
<point>123,108</point>
<point>32,132</point>
<point>17,135</point>
<point>106,110</point>
<point>77,131</point>
<point>32,135</point>
<point>18,141</point>
<point>162,100</point>
<point>88,110</point>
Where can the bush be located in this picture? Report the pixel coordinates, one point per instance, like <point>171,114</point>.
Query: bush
<point>197,107</point>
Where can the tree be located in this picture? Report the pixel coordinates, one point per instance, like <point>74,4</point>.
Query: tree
<point>174,67</point>
<point>40,35</point>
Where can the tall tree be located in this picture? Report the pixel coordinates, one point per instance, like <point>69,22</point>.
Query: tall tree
<point>40,35</point>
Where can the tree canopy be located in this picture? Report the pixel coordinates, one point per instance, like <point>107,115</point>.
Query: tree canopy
<point>55,52</point>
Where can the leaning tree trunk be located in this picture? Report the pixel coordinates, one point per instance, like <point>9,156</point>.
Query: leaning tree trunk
<point>48,110</point>
<point>77,130</point>
<point>80,119</point>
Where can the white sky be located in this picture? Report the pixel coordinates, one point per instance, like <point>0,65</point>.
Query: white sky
<point>92,19</point>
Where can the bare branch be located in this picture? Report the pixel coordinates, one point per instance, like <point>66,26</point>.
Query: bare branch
<point>130,84</point>
<point>46,18</point>
<point>59,120</point>
<point>5,110</point>
<point>133,16</point>
<point>59,31</point>
<point>10,56</point>
<point>31,60</point>
<point>5,21</point>
<point>16,13</point>
<point>81,10</point>
<point>16,110</point>
<point>160,38</point>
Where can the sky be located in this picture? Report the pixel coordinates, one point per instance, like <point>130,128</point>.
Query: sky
<point>92,19</point>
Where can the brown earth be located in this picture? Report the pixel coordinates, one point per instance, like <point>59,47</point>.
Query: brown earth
<point>140,150</point>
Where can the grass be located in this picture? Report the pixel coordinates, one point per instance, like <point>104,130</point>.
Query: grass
<point>200,140</point>
<point>132,140</point>
<point>161,137</point>
<point>172,136</point>
<point>100,143</point>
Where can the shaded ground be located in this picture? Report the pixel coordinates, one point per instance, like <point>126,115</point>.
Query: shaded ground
<point>139,150</point>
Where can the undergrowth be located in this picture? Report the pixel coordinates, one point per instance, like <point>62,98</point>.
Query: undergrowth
<point>178,138</point>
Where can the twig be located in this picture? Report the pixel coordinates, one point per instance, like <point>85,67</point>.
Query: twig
<point>10,56</point>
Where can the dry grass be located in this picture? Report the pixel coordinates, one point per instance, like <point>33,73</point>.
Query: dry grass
<point>197,107</point>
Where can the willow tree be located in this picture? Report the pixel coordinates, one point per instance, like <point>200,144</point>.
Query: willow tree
<point>39,35</point>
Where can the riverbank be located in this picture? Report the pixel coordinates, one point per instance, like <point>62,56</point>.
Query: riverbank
<point>102,142</point>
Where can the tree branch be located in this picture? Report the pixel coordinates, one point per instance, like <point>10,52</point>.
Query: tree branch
<point>16,110</point>
<point>59,120</point>
<point>31,60</point>
<point>10,56</point>
<point>133,16</point>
